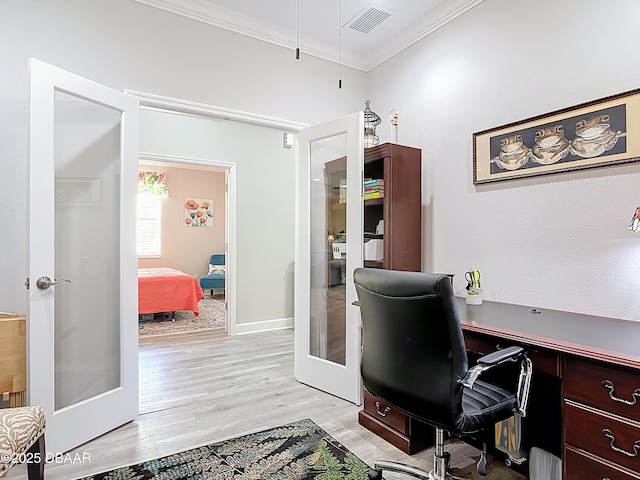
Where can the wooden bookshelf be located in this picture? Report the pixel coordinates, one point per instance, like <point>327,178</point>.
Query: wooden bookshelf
<point>401,209</point>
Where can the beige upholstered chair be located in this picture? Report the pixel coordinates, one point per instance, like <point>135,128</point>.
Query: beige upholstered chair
<point>22,440</point>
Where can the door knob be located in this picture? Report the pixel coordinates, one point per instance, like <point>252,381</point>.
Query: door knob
<point>44,283</point>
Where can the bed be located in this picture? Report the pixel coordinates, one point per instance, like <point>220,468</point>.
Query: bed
<point>164,289</point>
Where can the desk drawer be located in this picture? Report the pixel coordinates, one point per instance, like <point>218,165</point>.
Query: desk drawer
<point>543,360</point>
<point>582,466</point>
<point>406,433</point>
<point>611,388</point>
<point>612,438</point>
<point>385,413</point>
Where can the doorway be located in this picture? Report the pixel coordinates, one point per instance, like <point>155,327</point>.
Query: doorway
<point>185,239</point>
<point>264,245</point>
<point>260,247</point>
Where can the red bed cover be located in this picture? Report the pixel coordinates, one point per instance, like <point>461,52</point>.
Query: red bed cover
<point>164,289</point>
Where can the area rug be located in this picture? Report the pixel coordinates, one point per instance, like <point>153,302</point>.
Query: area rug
<point>211,315</point>
<point>297,451</point>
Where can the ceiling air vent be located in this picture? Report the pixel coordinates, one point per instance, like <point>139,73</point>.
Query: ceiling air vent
<point>368,19</point>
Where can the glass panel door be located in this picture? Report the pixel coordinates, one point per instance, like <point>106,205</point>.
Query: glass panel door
<point>328,223</point>
<point>82,318</point>
<point>328,249</point>
<point>86,249</point>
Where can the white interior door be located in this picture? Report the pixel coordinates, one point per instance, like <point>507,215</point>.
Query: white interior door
<point>327,325</point>
<point>82,298</point>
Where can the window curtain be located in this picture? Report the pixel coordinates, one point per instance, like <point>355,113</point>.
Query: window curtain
<point>152,183</point>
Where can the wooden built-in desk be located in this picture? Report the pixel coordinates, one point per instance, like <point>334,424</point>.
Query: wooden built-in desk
<point>585,393</point>
<point>597,363</point>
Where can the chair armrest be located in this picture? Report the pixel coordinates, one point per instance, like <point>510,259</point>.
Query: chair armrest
<point>489,361</point>
<point>499,357</point>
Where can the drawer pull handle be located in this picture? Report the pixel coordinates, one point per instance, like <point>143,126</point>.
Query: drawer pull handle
<point>384,413</point>
<point>636,446</point>
<point>608,384</point>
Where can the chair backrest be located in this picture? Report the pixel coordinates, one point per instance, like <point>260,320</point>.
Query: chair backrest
<point>217,259</point>
<point>413,353</point>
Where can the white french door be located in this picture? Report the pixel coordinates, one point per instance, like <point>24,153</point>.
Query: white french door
<point>82,297</point>
<point>329,209</point>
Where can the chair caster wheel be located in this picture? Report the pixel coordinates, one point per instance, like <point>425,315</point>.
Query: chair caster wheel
<point>482,465</point>
<point>375,474</point>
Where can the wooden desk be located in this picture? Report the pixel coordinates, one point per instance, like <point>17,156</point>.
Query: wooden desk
<point>585,394</point>
<point>596,362</point>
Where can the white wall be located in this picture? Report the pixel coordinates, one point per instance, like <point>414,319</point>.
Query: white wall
<point>556,241</point>
<point>127,45</point>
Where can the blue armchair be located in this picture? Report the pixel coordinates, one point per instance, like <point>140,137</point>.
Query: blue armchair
<point>215,280</point>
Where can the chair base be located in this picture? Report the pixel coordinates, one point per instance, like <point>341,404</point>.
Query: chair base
<point>212,289</point>
<point>376,472</point>
<point>441,465</point>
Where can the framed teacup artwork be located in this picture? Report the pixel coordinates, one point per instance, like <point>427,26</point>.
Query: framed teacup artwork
<point>593,134</point>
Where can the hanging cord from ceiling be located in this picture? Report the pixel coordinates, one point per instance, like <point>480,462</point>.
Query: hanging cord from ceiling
<point>297,29</point>
<point>340,32</point>
<point>339,36</point>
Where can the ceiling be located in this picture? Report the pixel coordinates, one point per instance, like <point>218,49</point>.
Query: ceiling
<point>372,31</point>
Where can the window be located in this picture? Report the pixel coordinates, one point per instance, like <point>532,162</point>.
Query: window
<point>148,226</point>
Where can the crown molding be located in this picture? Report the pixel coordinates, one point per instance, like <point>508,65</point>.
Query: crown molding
<point>206,12</point>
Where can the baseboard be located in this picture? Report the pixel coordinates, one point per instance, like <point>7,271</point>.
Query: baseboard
<point>264,326</point>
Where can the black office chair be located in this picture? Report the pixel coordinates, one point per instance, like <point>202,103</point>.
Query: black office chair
<point>414,357</point>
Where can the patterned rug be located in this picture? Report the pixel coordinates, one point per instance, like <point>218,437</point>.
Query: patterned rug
<point>297,451</point>
<point>211,310</point>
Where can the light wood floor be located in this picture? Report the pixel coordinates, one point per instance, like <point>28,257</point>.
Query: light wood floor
<point>203,387</point>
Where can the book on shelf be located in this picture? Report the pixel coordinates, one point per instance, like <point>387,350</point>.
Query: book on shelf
<point>373,188</point>
<point>373,182</point>
<point>372,195</point>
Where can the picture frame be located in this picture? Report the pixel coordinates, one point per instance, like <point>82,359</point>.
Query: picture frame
<point>198,212</point>
<point>593,134</point>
